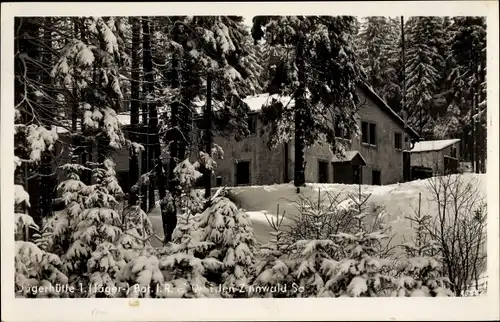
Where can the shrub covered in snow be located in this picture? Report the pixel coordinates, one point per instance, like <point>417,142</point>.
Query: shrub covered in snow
<point>35,268</point>
<point>274,267</point>
<point>233,243</point>
<point>330,262</point>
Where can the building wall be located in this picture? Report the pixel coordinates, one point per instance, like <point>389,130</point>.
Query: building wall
<point>429,159</point>
<point>434,159</point>
<point>314,154</point>
<point>382,157</point>
<point>266,164</point>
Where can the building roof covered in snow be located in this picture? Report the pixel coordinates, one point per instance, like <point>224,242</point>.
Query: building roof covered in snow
<point>349,156</point>
<point>435,145</point>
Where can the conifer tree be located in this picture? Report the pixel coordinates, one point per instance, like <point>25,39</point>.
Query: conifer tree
<point>319,49</point>
<point>209,56</point>
<point>380,37</point>
<point>468,76</point>
<point>423,65</point>
<point>134,108</point>
<point>228,230</point>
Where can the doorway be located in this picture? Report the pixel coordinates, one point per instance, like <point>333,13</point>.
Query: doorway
<point>323,174</point>
<point>243,173</point>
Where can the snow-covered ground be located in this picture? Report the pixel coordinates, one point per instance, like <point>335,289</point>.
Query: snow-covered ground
<point>399,200</point>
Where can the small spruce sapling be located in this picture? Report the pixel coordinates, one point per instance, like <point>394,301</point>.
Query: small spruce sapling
<point>94,224</point>
<point>185,261</point>
<point>35,268</point>
<point>273,267</point>
<point>421,272</point>
<point>229,230</point>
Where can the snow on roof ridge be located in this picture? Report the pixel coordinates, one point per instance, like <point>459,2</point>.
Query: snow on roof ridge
<point>433,145</point>
<point>349,155</point>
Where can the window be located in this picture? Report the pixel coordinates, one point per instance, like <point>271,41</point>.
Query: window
<point>373,134</point>
<point>364,132</point>
<point>376,178</point>
<point>368,133</point>
<point>398,144</point>
<point>218,181</point>
<point>252,124</point>
<point>243,172</point>
<point>322,172</point>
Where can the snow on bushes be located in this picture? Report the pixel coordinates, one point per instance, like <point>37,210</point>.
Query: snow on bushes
<point>35,268</point>
<point>104,251</point>
<point>228,229</point>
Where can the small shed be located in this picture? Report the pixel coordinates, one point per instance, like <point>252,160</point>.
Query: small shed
<point>440,156</point>
<point>348,169</point>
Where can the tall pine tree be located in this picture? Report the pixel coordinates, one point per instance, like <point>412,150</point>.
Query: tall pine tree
<point>380,37</point>
<point>424,40</point>
<point>320,74</point>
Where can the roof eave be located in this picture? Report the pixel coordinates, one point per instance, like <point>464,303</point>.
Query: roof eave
<point>386,108</point>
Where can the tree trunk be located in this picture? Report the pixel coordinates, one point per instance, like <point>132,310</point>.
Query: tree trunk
<point>169,216</point>
<point>207,173</point>
<point>87,148</point>
<point>155,151</point>
<point>153,120</point>
<point>31,30</point>
<point>476,126</point>
<point>47,182</point>
<point>483,125</point>
<point>299,173</point>
<point>22,28</point>
<point>472,138</point>
<point>134,110</point>
<point>144,140</point>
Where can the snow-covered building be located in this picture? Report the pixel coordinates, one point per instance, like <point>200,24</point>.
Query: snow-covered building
<point>375,156</point>
<point>439,156</point>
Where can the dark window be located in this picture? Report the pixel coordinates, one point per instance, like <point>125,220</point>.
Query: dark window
<point>218,181</point>
<point>364,132</point>
<point>322,172</point>
<point>252,124</point>
<point>243,173</point>
<point>368,133</point>
<point>376,178</point>
<point>398,144</point>
<point>373,134</point>
<point>450,165</point>
<point>200,182</point>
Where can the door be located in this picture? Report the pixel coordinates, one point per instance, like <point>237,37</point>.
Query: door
<point>322,172</point>
<point>243,173</point>
<point>356,174</point>
<point>406,166</point>
<point>376,180</point>
<point>342,172</point>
